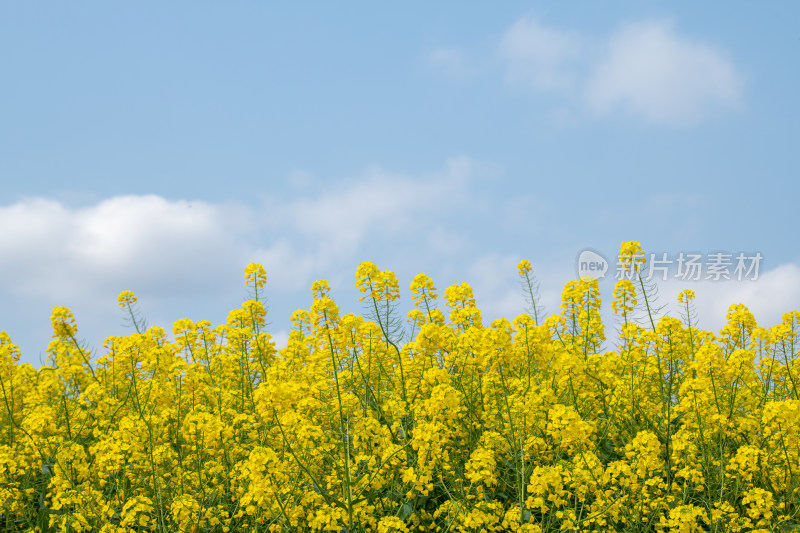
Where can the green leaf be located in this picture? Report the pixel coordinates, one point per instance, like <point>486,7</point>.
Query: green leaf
<point>405,511</point>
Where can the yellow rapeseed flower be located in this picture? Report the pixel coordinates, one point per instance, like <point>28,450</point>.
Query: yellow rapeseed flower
<point>524,267</point>
<point>255,274</point>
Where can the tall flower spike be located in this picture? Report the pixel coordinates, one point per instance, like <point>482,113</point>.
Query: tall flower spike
<point>531,289</point>
<point>624,298</point>
<point>320,288</point>
<point>422,289</point>
<point>365,278</point>
<point>126,298</point>
<point>631,257</point>
<point>686,296</point>
<point>63,323</point>
<point>127,302</point>
<point>255,274</point>
<point>379,284</point>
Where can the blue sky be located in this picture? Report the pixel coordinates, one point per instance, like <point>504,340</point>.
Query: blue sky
<point>160,147</point>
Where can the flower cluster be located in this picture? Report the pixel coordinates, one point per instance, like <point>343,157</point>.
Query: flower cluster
<point>447,425</point>
<point>631,256</point>
<point>380,285</point>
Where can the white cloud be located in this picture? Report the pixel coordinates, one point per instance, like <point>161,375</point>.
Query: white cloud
<point>380,203</point>
<point>289,266</point>
<point>652,71</point>
<point>48,248</point>
<point>646,69</point>
<point>774,293</point>
<point>541,57</point>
